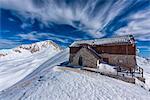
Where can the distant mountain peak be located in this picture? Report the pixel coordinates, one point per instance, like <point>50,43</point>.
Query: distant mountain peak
<point>35,47</point>
<point>32,48</point>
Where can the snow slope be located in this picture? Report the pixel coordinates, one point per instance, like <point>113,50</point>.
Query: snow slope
<point>145,64</point>
<point>19,61</point>
<point>48,83</point>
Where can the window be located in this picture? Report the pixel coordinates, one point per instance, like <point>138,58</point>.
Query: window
<point>120,61</point>
<point>106,60</point>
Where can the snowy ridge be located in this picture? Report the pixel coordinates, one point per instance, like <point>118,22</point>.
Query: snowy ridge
<point>38,46</point>
<point>15,66</point>
<point>29,49</point>
<point>47,83</point>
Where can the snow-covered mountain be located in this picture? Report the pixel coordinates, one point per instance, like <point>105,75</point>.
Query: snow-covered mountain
<point>28,49</point>
<point>39,77</point>
<point>20,61</point>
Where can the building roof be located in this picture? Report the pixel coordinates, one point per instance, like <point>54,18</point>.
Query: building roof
<point>119,39</point>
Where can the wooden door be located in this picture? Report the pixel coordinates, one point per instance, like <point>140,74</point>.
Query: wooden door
<point>80,62</point>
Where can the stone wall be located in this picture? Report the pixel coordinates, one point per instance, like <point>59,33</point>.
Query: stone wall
<point>88,59</point>
<point>126,61</point>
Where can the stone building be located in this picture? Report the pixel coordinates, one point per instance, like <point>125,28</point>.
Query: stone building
<point>118,51</point>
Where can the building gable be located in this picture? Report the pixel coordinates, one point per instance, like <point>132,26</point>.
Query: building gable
<point>88,57</point>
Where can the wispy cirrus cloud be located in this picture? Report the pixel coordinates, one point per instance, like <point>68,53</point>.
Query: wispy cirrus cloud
<point>29,36</point>
<point>138,25</point>
<point>11,19</point>
<point>25,25</point>
<point>37,36</point>
<point>7,43</point>
<point>87,15</point>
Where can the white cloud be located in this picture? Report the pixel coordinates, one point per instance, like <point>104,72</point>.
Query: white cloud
<point>139,26</point>
<point>81,15</point>
<point>37,36</point>
<point>61,13</point>
<point>17,5</point>
<point>33,36</point>
<point>5,43</point>
<point>11,19</point>
<point>25,25</point>
<point>29,36</point>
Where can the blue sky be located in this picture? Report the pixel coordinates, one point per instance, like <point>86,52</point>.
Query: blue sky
<point>64,21</point>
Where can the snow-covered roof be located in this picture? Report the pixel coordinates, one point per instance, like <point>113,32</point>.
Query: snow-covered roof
<point>119,39</point>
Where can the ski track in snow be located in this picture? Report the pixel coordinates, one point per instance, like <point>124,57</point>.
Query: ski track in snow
<point>45,83</point>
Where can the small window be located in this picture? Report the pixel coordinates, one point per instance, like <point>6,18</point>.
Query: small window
<point>120,61</point>
<point>106,60</point>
